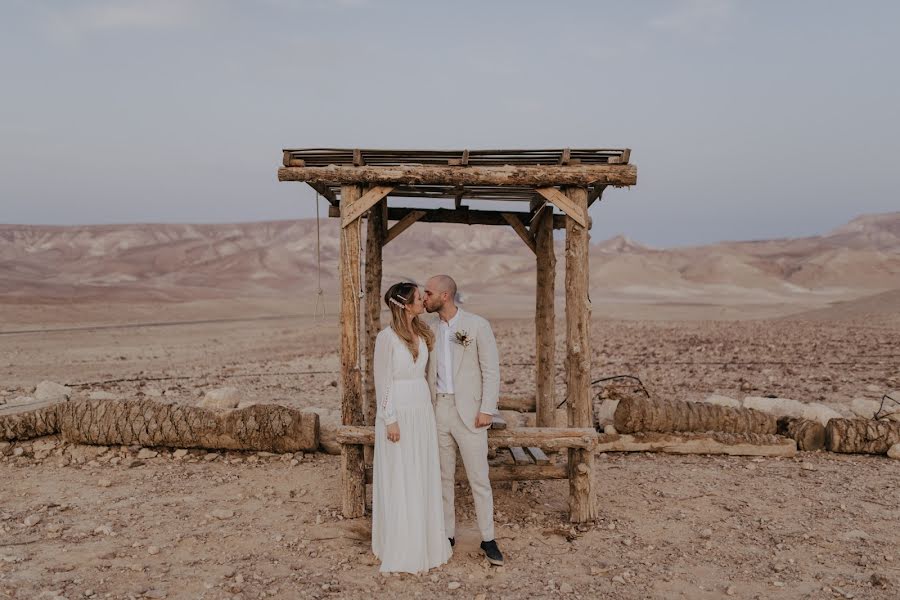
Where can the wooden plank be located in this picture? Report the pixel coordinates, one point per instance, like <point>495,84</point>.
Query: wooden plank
<point>545,321</point>
<point>352,460</point>
<point>561,201</point>
<point>699,443</point>
<point>622,159</point>
<point>464,216</point>
<point>582,501</point>
<point>403,224</point>
<point>509,473</point>
<point>519,456</point>
<point>369,199</point>
<point>546,438</point>
<point>538,455</point>
<point>520,229</point>
<point>498,422</point>
<point>537,176</point>
<point>566,156</point>
<point>357,158</point>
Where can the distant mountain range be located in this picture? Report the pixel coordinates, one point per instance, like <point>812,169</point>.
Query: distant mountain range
<point>176,262</point>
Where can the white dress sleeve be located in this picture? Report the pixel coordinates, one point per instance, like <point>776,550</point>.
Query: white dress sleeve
<point>384,360</point>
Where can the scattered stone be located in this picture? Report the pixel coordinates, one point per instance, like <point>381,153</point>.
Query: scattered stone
<point>103,530</point>
<point>152,392</point>
<point>104,483</point>
<point>808,466</point>
<point>155,594</point>
<point>50,391</point>
<point>730,590</point>
<point>894,452</point>
<point>153,550</point>
<point>211,457</point>
<point>706,533</point>
<point>179,454</point>
<point>18,451</point>
<point>146,453</point>
<point>220,399</point>
<point>134,462</point>
<point>453,585</point>
<point>618,579</point>
<point>32,520</point>
<point>222,513</point>
<point>565,588</point>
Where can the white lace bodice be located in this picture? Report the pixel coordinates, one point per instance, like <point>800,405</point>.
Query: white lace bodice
<point>393,362</point>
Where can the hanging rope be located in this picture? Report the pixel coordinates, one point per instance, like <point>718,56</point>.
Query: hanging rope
<point>320,294</point>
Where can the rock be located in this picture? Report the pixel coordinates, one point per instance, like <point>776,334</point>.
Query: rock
<point>44,445</point>
<point>18,451</point>
<point>618,579</point>
<point>453,585</point>
<point>102,395</point>
<point>894,452</point>
<point>605,411</point>
<point>706,533</point>
<point>329,422</point>
<point>730,590</point>
<point>220,399</point>
<point>855,534</point>
<point>146,453</point>
<point>105,483</point>
<point>866,409</point>
<point>49,391</point>
<point>785,407</point>
<point>808,466</point>
<point>155,594</point>
<point>153,550</point>
<point>565,588</point>
<point>211,457</point>
<point>610,429</point>
<point>103,530</point>
<point>720,400</point>
<point>179,454</point>
<point>32,520</point>
<point>152,392</point>
<point>222,513</point>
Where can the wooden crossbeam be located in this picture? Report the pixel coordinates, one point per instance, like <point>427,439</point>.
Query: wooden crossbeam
<point>546,438</point>
<point>621,159</point>
<point>326,193</point>
<point>403,224</point>
<point>564,204</point>
<point>596,194</point>
<point>520,229</point>
<point>519,456</point>
<point>369,199</point>
<point>538,455</point>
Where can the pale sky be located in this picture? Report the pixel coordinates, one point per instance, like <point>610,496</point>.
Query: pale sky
<point>747,119</point>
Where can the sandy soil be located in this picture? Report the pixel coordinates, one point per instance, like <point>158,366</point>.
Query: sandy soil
<point>248,525</point>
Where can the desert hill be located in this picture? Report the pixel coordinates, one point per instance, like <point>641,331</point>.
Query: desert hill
<point>176,262</point>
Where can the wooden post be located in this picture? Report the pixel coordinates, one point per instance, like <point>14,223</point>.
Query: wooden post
<point>578,359</point>
<point>353,465</point>
<point>544,320</point>
<point>375,239</point>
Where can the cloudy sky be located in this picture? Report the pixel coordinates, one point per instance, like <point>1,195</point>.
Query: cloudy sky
<point>747,119</point>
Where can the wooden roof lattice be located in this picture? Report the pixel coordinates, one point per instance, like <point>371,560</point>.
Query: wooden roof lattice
<point>533,176</point>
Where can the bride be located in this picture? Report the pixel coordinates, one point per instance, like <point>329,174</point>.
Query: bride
<point>407,507</point>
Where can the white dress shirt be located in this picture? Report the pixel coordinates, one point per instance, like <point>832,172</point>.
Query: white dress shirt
<point>444,365</point>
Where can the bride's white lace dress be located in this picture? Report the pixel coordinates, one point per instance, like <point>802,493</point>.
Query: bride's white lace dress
<point>407,508</point>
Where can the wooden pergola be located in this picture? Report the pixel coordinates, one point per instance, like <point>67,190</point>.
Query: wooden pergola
<point>358,184</point>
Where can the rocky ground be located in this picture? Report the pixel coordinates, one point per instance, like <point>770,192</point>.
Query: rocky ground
<point>89,522</point>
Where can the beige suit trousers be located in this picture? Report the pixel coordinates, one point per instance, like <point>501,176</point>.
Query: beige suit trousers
<point>473,448</point>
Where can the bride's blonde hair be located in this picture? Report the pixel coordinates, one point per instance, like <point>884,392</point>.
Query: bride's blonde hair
<point>396,298</point>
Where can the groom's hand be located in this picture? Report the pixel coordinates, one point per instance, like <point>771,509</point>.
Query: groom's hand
<point>483,420</point>
<point>393,432</point>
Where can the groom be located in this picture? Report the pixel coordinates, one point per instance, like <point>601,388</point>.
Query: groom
<point>464,377</point>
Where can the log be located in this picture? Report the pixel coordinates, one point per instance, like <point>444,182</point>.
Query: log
<point>544,324</point>
<point>518,403</point>
<point>375,239</point>
<point>635,414</point>
<point>30,420</point>
<point>582,505</point>
<point>862,436</point>
<point>809,434</point>
<point>352,459</point>
<point>748,444</point>
<point>547,438</point>
<point>509,473</point>
<point>506,175</point>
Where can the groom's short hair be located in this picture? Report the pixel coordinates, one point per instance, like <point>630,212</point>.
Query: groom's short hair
<point>446,284</point>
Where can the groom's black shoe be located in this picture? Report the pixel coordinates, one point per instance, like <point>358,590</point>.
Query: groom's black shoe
<point>452,541</point>
<point>494,556</point>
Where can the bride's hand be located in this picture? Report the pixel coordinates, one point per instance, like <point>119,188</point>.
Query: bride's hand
<point>393,432</point>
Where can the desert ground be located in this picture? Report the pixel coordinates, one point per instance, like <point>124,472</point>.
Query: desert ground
<point>251,525</point>
<point>130,522</point>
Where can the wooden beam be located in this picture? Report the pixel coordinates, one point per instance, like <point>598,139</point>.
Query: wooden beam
<point>519,456</point>
<point>463,216</point>
<point>698,443</point>
<point>566,156</point>
<point>545,321</point>
<point>352,459</point>
<point>547,438</point>
<point>520,229</point>
<point>369,199</point>
<point>561,201</point>
<point>538,455</point>
<point>582,502</point>
<point>622,159</point>
<point>403,224</point>
<point>357,158</point>
<point>509,473</point>
<point>375,239</point>
<point>505,175</point>
<point>326,193</point>
<point>596,194</point>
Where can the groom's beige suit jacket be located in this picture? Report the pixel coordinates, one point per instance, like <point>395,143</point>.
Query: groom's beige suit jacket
<point>476,367</point>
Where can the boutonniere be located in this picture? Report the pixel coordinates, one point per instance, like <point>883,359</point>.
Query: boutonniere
<point>462,338</point>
